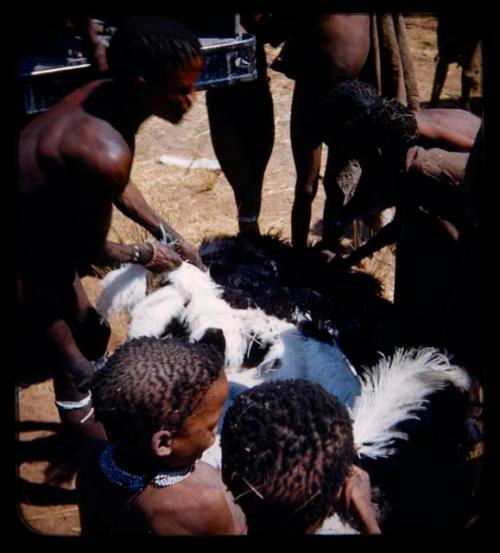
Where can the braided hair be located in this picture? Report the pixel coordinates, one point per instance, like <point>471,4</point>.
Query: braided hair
<point>154,48</point>
<point>150,384</point>
<point>355,116</point>
<point>287,447</point>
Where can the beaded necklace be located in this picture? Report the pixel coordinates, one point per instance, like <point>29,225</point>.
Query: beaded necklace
<point>137,482</point>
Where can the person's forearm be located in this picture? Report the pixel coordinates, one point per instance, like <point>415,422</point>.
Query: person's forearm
<point>60,335</point>
<point>133,204</point>
<point>451,140</point>
<point>385,236</point>
<point>71,358</point>
<point>370,525</point>
<point>125,253</point>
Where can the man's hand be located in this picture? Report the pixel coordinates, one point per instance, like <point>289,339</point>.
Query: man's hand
<point>356,497</point>
<point>167,234</point>
<point>163,258</point>
<point>190,253</point>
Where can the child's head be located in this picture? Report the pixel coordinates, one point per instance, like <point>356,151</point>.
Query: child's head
<point>162,395</point>
<point>356,118</point>
<point>160,58</point>
<point>287,448</point>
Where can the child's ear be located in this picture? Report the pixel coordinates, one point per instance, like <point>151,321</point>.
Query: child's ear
<point>161,443</point>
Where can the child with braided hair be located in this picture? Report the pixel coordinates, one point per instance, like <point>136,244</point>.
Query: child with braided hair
<point>288,458</point>
<point>402,160</point>
<point>160,401</point>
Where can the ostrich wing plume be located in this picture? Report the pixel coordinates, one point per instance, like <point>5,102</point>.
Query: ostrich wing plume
<point>122,289</point>
<point>394,390</point>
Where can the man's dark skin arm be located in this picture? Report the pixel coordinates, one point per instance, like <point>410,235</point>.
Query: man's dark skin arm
<point>141,254</point>
<point>388,234</point>
<point>78,371</point>
<point>133,204</point>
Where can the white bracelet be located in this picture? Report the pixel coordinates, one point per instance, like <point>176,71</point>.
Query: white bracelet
<point>87,416</point>
<point>70,405</point>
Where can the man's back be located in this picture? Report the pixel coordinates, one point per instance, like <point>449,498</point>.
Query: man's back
<point>72,166</point>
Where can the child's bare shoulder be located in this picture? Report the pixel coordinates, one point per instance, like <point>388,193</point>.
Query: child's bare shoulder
<point>198,506</point>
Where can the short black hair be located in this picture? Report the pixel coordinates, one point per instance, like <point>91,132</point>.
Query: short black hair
<point>154,48</point>
<point>287,448</point>
<point>355,116</point>
<point>150,384</point>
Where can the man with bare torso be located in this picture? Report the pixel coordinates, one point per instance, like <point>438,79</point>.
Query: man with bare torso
<point>74,165</point>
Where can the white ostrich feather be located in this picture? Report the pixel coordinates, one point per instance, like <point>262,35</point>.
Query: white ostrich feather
<point>122,289</point>
<point>205,312</point>
<point>191,281</point>
<point>204,309</point>
<point>394,390</point>
<point>192,297</point>
<point>152,315</point>
<point>335,525</point>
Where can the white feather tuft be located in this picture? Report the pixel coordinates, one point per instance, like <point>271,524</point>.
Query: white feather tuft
<point>394,390</point>
<point>152,315</point>
<point>122,289</point>
<point>205,309</point>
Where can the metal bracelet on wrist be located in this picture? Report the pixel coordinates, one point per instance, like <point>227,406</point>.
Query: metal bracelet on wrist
<point>154,258</point>
<point>136,254</point>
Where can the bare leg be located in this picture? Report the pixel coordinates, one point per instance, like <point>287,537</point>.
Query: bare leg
<point>86,339</point>
<point>72,376</point>
<point>439,80</point>
<point>471,77</point>
<point>306,148</point>
<point>334,47</point>
<point>242,129</point>
<point>385,236</point>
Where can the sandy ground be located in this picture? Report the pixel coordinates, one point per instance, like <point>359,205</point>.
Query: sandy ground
<point>198,203</point>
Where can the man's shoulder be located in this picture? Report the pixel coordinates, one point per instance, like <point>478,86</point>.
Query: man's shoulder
<point>99,146</point>
<point>96,149</point>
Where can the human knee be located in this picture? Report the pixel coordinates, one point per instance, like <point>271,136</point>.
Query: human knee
<point>306,192</point>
